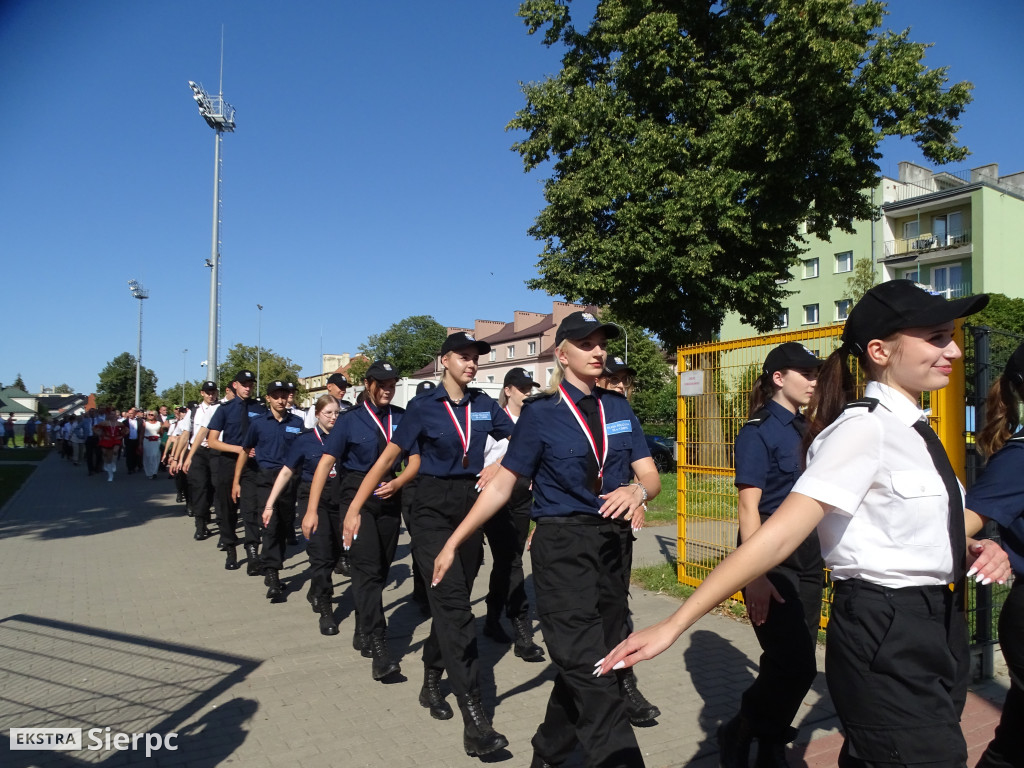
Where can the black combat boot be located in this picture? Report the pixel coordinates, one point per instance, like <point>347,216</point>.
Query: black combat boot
<point>734,739</point>
<point>383,664</point>
<point>231,559</point>
<point>478,737</point>
<point>275,592</point>
<point>431,697</point>
<point>314,601</point>
<point>328,626</point>
<point>525,648</point>
<point>344,566</point>
<point>252,566</point>
<point>639,709</point>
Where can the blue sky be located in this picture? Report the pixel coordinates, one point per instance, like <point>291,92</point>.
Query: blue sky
<point>369,179</point>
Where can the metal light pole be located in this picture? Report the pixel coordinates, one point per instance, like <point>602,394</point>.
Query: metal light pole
<point>259,343</point>
<point>220,116</point>
<point>184,373</point>
<point>139,293</point>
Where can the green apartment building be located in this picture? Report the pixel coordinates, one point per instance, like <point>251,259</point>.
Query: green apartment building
<point>956,232</point>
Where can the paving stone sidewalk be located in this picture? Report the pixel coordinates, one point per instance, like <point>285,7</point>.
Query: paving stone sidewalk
<point>111,616</point>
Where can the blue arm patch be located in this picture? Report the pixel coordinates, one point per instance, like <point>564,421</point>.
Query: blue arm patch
<point>618,427</point>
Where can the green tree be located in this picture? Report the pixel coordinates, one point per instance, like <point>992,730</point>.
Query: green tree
<point>19,383</point>
<point>357,368</point>
<point>861,280</point>
<point>116,384</point>
<point>654,399</point>
<point>173,393</point>
<point>272,366</point>
<point>689,140</point>
<point>409,344</point>
<point>63,389</point>
<point>42,411</point>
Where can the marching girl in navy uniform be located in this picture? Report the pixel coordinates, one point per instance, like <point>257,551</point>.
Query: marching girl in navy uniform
<point>999,495</point>
<point>448,426</point>
<point>893,529</point>
<point>784,605</point>
<point>371,528</point>
<point>581,446</point>
<point>304,456</point>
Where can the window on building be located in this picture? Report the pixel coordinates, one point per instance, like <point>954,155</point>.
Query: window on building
<point>810,314</point>
<point>844,261</point>
<point>490,379</point>
<point>948,280</point>
<point>810,268</point>
<point>910,274</point>
<point>843,308</point>
<point>948,229</point>
<point>531,348</point>
<point>782,319</point>
<point>494,355</point>
<point>510,351</point>
<point>911,229</point>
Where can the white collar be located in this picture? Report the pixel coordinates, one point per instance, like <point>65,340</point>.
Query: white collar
<point>897,403</point>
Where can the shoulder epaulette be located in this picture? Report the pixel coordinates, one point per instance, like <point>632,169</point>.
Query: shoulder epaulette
<point>759,418</point>
<point>1018,438</point>
<point>538,396</point>
<point>865,402</point>
<point>610,392</point>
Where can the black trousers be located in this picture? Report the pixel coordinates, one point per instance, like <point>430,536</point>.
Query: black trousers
<point>788,638</point>
<point>282,522</point>
<point>132,459</point>
<point>441,504</point>
<point>506,534</point>
<point>578,565</point>
<point>202,474</point>
<point>897,666</point>
<point>324,546</point>
<point>372,553</point>
<point>227,510</point>
<point>419,586</point>
<point>93,456</point>
<point>1006,750</point>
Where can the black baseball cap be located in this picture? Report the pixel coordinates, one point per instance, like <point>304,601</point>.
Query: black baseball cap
<point>425,386</point>
<point>616,365</point>
<point>579,325</point>
<point>210,386</point>
<point>381,370</point>
<point>899,304</point>
<point>463,340</point>
<point>338,380</point>
<point>277,385</point>
<point>245,377</point>
<point>1014,370</point>
<point>790,355</point>
<point>519,378</point>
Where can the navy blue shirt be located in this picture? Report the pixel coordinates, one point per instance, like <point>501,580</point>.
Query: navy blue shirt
<point>549,446</point>
<point>768,455</point>
<point>305,453</point>
<point>427,429</point>
<point>228,419</point>
<point>999,495</point>
<point>356,438</point>
<point>272,438</point>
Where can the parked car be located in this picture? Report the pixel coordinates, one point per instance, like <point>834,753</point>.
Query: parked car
<point>662,452</point>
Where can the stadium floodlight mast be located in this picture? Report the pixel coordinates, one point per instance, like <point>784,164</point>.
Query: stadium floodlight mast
<point>220,116</point>
<point>140,293</point>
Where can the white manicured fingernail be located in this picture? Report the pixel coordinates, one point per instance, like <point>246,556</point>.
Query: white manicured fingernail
<point>979,577</point>
<point>986,582</point>
<point>599,662</point>
<point>619,665</point>
<point>972,572</point>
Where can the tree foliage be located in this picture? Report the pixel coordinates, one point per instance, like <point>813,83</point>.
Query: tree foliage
<point>116,384</point>
<point>63,389</point>
<point>409,344</point>
<point>272,366</point>
<point>19,383</point>
<point>172,395</point>
<point>688,141</point>
<point>861,280</point>
<point>654,388</point>
<point>356,371</point>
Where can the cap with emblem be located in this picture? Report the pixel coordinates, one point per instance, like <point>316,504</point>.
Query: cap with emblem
<point>579,325</point>
<point>245,377</point>
<point>463,340</point>
<point>338,380</point>
<point>790,356</point>
<point>209,386</point>
<point>279,386</point>
<point>519,378</point>
<point>1015,366</point>
<point>425,386</point>
<point>616,365</point>
<point>381,370</point>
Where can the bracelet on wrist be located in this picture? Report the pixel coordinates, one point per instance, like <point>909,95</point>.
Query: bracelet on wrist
<point>643,490</point>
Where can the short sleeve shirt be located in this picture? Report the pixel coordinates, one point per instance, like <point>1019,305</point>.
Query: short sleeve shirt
<point>999,495</point>
<point>550,447</point>
<point>356,438</point>
<point>768,455</point>
<point>304,454</point>
<point>272,438</point>
<point>886,509</point>
<point>228,419</point>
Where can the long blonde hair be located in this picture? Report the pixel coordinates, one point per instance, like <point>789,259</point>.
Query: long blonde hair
<point>559,372</point>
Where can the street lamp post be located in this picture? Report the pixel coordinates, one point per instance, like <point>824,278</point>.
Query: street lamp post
<point>220,116</point>
<point>184,373</point>
<point>139,293</point>
<point>259,343</point>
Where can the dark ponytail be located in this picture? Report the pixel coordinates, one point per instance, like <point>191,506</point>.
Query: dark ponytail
<point>1002,416</point>
<point>762,391</point>
<point>835,388</point>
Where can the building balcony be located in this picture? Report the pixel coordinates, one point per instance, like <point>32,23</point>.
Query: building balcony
<point>926,242</point>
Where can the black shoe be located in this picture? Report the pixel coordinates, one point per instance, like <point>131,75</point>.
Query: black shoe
<point>252,566</point>
<point>361,643</point>
<point>202,534</point>
<point>431,697</point>
<point>343,566</point>
<point>734,739</point>
<point>314,601</point>
<point>639,709</point>
<point>231,561</point>
<point>478,736</point>
<point>275,592</point>
<point>525,648</point>
<point>494,630</point>
<point>179,499</point>
<point>540,762</point>
<point>383,664</point>
<point>328,626</point>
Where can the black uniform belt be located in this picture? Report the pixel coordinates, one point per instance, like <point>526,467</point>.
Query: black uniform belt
<point>578,518</point>
<point>451,478</point>
<point>852,586</point>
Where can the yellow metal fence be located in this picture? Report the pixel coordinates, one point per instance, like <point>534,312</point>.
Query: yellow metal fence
<point>715,380</point>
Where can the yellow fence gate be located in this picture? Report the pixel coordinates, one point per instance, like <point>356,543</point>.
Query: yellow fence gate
<point>714,383</point>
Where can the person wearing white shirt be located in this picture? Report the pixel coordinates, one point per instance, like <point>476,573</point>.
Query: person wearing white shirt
<point>193,455</point>
<point>890,516</point>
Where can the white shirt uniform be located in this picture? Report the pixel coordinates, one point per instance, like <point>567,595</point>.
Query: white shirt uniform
<point>203,414</point>
<point>495,449</point>
<point>886,509</point>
